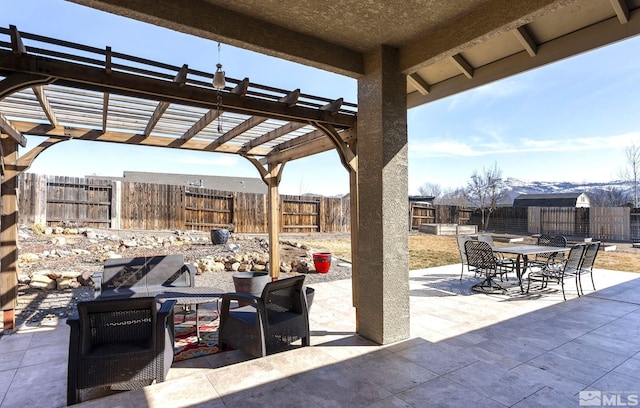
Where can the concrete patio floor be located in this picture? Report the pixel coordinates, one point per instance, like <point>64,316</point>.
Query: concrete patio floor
<point>465,350</point>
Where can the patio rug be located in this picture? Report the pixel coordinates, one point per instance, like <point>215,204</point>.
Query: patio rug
<point>186,344</point>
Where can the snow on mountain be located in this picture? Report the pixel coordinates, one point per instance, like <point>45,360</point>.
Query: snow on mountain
<point>516,187</point>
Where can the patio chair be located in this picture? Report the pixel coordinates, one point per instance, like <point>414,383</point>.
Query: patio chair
<point>588,260</point>
<point>268,323</point>
<point>560,268</point>
<point>505,264</point>
<point>463,256</point>
<point>480,257</point>
<point>122,343</point>
<point>540,260</point>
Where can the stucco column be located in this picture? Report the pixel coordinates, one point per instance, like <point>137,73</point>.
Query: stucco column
<point>383,278</point>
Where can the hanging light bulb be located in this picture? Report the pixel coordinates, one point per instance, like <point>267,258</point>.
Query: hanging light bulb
<point>218,78</point>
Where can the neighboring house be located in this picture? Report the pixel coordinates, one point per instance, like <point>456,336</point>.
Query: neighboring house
<point>575,200</point>
<point>232,184</point>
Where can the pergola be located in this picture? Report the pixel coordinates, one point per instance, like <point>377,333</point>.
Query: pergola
<point>403,54</point>
<point>100,95</point>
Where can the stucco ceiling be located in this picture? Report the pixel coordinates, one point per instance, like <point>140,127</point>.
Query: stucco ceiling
<point>445,46</point>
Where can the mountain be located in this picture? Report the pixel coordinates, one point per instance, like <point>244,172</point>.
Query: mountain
<point>515,187</point>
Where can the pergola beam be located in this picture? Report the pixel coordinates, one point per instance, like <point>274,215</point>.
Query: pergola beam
<point>44,104</point>
<point>72,75</point>
<point>274,134</point>
<point>236,131</point>
<point>203,122</point>
<point>162,107</point>
<point>110,136</point>
<point>7,127</point>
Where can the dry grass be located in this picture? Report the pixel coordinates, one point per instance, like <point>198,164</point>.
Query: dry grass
<point>426,251</point>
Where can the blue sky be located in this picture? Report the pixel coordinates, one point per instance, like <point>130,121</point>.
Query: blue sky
<point>569,121</point>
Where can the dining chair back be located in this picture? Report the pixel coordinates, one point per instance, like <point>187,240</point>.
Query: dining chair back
<point>463,254</point>
<point>588,260</point>
<point>480,257</point>
<point>560,268</point>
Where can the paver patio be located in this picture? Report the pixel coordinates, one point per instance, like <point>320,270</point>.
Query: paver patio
<point>465,349</point>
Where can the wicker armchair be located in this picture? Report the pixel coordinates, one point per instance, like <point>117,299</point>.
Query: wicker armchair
<point>268,323</point>
<point>122,343</point>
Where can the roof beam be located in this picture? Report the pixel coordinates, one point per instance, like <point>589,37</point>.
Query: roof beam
<point>105,110</point>
<point>450,40</point>
<point>291,99</point>
<point>236,131</point>
<point>523,35</point>
<point>622,10</point>
<point>162,107</point>
<point>203,122</point>
<point>44,104</point>
<point>7,127</point>
<point>306,138</point>
<point>316,145</point>
<point>462,64</point>
<point>597,35</point>
<point>86,134</point>
<point>274,134</point>
<point>207,20</point>
<point>73,75</point>
<point>241,88</point>
<point>417,82</point>
<point>16,41</point>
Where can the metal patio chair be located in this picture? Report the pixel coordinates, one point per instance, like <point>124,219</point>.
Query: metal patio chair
<point>480,257</point>
<point>540,260</point>
<point>463,255</point>
<point>588,260</point>
<point>560,268</point>
<point>505,264</point>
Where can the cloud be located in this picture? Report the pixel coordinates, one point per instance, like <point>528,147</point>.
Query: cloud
<point>478,146</point>
<point>580,143</point>
<point>489,92</point>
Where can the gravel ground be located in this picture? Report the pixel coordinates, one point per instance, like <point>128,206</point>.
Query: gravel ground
<point>35,305</point>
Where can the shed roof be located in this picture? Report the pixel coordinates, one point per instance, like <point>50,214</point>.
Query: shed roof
<point>547,200</point>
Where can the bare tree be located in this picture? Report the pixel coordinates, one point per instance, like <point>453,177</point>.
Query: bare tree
<point>609,197</point>
<point>484,190</point>
<point>430,189</point>
<point>632,171</point>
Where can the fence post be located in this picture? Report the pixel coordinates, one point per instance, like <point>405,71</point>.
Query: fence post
<point>116,204</point>
<point>40,200</point>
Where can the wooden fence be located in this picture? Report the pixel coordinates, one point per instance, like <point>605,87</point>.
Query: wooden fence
<point>603,223</point>
<point>103,203</point>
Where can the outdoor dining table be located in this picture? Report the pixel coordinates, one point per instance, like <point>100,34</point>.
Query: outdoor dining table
<point>522,252</point>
